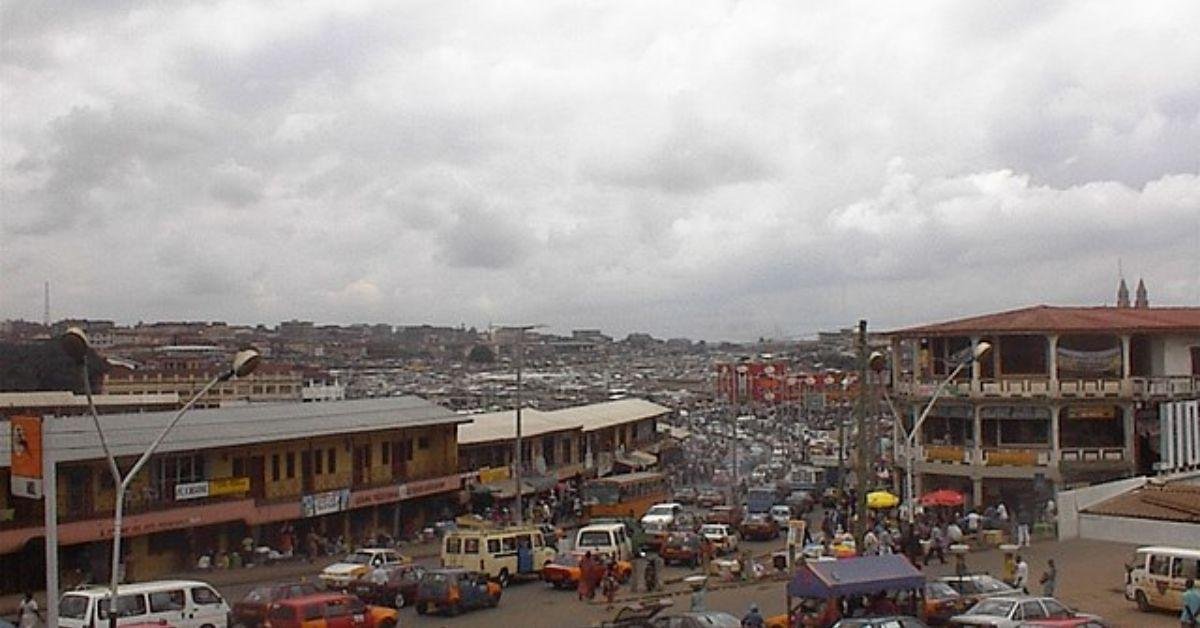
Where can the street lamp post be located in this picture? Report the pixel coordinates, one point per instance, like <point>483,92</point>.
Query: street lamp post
<point>75,344</point>
<point>977,352</point>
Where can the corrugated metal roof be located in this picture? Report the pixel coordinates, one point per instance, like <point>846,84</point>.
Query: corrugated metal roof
<point>1047,318</point>
<point>502,426</point>
<point>130,433</point>
<point>66,398</point>
<point>609,413</point>
<point>1172,502</point>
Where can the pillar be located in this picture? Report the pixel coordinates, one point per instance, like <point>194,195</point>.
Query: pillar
<point>1052,360</point>
<point>896,361</point>
<point>977,493</point>
<point>1126,370</point>
<point>975,370</point>
<point>1127,419</point>
<point>977,435</point>
<point>1055,445</point>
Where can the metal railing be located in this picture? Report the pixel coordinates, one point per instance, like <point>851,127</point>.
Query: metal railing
<point>1068,388</point>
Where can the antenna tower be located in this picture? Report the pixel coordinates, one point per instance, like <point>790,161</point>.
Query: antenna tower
<point>46,306</point>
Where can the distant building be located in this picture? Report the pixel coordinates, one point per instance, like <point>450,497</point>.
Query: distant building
<point>269,383</point>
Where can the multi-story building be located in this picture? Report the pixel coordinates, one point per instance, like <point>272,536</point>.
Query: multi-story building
<point>1067,396</point>
<point>271,382</point>
<point>343,468</point>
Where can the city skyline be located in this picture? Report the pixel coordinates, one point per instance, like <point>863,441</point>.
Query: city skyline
<point>714,170</point>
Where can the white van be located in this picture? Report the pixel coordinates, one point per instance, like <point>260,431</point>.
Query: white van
<point>180,603</point>
<point>611,539</point>
<point>1157,575</point>
<point>497,552</point>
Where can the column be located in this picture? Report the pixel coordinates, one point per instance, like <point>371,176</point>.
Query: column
<point>975,370</point>
<point>1055,445</point>
<point>977,493</point>
<point>1126,370</point>
<point>1127,418</point>
<point>1052,360</point>
<point>977,436</point>
<point>896,361</point>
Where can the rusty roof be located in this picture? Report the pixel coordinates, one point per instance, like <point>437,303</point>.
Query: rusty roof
<point>1065,319</point>
<point>1172,502</point>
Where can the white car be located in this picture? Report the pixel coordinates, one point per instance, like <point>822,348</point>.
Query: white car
<point>782,514</point>
<point>1011,611</point>
<point>721,536</point>
<point>663,515</point>
<point>358,564</point>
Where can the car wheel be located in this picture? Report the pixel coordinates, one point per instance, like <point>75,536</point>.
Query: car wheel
<point>399,600</point>
<point>387,623</point>
<point>493,602</point>
<point>1142,602</point>
<point>455,609</point>
<point>422,608</point>
<point>504,578</point>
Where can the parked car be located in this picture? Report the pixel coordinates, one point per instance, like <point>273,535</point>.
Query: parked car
<point>251,611</point>
<point>895,621</point>
<point>1011,611</point>
<point>356,564</point>
<point>1073,622</point>
<point>399,589</point>
<point>563,572</point>
<point>184,603</point>
<point>686,495</point>
<point>456,590</point>
<point>649,614</point>
<point>942,602</point>
<point>681,548</point>
<point>722,536</point>
<point>977,586</point>
<point>328,610</point>
<point>782,514</point>
<point>759,527</point>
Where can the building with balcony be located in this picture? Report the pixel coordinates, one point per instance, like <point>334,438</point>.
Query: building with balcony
<point>269,383</point>
<point>1067,396</point>
<point>341,468</point>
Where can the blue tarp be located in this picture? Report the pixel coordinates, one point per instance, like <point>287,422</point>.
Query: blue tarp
<point>861,575</point>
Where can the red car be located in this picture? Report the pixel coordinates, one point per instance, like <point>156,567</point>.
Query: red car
<point>329,610</point>
<point>1071,622</point>
<point>251,611</point>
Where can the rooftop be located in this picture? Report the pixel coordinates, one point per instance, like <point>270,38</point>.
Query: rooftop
<point>500,426</point>
<point>1171,502</point>
<point>75,439</point>
<point>1066,319</point>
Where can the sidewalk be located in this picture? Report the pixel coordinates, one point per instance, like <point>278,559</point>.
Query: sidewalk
<point>280,571</point>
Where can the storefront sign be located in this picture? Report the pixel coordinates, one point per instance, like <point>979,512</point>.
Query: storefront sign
<point>489,475</point>
<point>1092,412</point>
<point>325,503</point>
<point>191,490</point>
<point>382,495</point>
<point>26,441</point>
<point>429,487</point>
<point>229,486</point>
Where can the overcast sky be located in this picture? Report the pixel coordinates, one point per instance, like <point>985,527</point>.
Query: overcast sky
<point>720,170</point>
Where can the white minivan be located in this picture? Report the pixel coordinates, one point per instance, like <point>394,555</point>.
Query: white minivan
<point>1157,575</point>
<point>610,539</point>
<point>179,603</point>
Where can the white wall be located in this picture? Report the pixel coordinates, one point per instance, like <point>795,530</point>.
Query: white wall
<point>1140,531</point>
<point>1070,503</point>
<point>1176,357</point>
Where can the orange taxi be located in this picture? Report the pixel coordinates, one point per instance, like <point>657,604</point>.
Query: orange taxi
<point>563,572</point>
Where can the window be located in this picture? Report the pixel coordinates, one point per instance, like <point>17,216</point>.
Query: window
<point>453,545</point>
<point>291,464</point>
<point>239,467</point>
<point>508,544</point>
<point>163,601</point>
<point>385,454</point>
<point>332,460</point>
<point>313,612</point>
<point>282,613</point>
<point>127,606</point>
<point>1031,610</point>
<point>493,546</point>
<point>1054,610</point>
<point>274,467</point>
<point>408,450</point>
<point>336,608</point>
<point>205,595</point>
<point>1160,565</point>
<point>319,463</point>
<point>1185,568</point>
<point>423,442</point>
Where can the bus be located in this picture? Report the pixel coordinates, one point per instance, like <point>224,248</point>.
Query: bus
<point>625,495</point>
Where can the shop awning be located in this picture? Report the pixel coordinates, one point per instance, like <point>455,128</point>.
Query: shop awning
<point>637,459</point>
<point>863,575</point>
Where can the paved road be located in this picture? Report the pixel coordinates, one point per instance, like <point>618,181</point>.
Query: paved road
<point>1090,574</point>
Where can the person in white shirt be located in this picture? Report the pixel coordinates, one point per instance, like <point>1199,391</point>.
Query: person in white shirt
<point>1002,512</point>
<point>379,575</point>
<point>28,613</point>
<point>1021,578</point>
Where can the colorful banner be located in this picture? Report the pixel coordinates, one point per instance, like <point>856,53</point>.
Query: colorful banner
<point>229,486</point>
<point>489,475</point>
<point>1092,362</point>
<point>26,441</point>
<point>325,503</point>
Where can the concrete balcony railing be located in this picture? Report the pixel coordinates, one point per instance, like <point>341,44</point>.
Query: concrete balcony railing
<point>1092,454</point>
<point>1003,457</point>
<point>1063,388</point>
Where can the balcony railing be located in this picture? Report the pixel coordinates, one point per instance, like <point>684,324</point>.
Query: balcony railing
<point>1069,388</point>
<point>1092,454</point>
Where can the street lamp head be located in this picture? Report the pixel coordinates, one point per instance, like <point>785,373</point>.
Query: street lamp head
<point>244,363</point>
<point>75,344</point>
<point>877,361</point>
<point>981,350</point>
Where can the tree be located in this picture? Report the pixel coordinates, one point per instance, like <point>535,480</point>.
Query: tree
<point>481,354</point>
<point>44,366</point>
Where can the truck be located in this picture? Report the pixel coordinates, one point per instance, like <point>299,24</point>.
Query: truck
<point>760,499</point>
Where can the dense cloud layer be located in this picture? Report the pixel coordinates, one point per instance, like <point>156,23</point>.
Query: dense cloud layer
<point>712,169</point>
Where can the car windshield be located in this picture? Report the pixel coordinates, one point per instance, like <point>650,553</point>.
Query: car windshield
<point>992,608</point>
<point>73,606</point>
<point>939,590</point>
<point>659,510</point>
<point>259,594</point>
<point>594,538</point>
<point>567,560</point>
<point>712,530</point>
<point>358,558</point>
<point>988,584</point>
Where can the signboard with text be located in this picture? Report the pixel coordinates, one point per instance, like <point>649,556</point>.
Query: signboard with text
<point>26,442</point>
<point>191,490</point>
<point>325,503</point>
<point>229,486</point>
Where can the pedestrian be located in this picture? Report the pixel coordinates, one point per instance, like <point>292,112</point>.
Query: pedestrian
<point>753,618</point>
<point>937,545</point>
<point>1049,579</point>
<point>1189,617</point>
<point>585,577</point>
<point>870,544</point>
<point>1021,577</point>
<point>1023,519</point>
<point>639,566</point>
<point>960,564</point>
<point>609,584</point>
<point>698,603</point>
<point>28,614</point>
<point>652,574</point>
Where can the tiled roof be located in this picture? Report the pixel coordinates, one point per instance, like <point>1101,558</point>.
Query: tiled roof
<point>1173,502</point>
<point>1049,318</point>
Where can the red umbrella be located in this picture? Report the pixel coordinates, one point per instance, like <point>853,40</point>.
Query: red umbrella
<point>943,497</point>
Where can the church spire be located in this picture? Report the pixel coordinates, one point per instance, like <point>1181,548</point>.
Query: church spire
<point>1142,300</point>
<point>1122,294</point>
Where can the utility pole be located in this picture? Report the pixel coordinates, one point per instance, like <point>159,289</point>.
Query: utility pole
<point>861,445</point>
<point>518,456</point>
